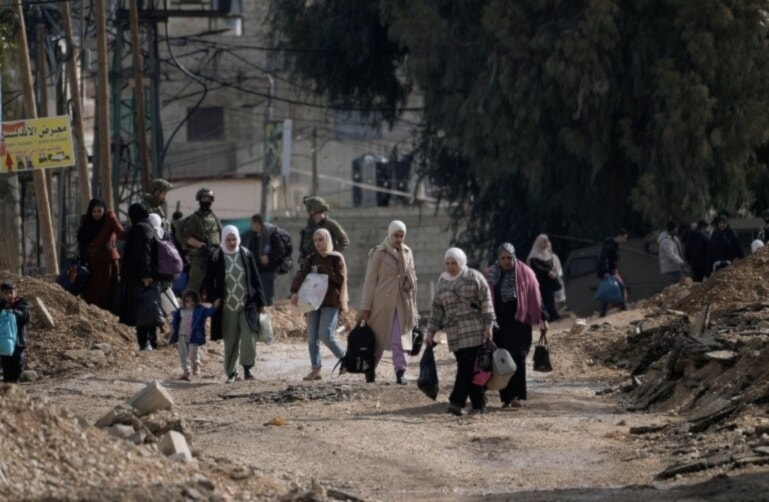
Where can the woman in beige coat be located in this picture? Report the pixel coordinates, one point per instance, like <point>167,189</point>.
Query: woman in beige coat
<point>389,298</point>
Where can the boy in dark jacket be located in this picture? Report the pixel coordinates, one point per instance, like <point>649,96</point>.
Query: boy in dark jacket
<point>18,306</point>
<point>189,331</point>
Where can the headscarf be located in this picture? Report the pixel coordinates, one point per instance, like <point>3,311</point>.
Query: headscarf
<point>461,259</point>
<point>157,225</point>
<point>501,279</point>
<point>544,254</point>
<point>409,276</point>
<point>227,230</point>
<point>137,213</point>
<point>329,250</point>
<point>89,227</point>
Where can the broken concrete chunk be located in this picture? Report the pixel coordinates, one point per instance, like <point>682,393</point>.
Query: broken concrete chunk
<point>173,444</point>
<point>722,356</point>
<point>121,431</point>
<point>151,398</point>
<point>104,347</point>
<point>29,376</point>
<point>578,327</point>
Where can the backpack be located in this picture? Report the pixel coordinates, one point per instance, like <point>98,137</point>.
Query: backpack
<point>286,262</point>
<point>8,333</point>
<point>170,263</point>
<point>360,350</point>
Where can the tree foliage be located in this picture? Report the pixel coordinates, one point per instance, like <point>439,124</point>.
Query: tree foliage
<point>578,116</point>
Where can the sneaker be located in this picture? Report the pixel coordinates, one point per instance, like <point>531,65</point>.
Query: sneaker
<point>185,376</point>
<point>455,410</point>
<point>515,403</point>
<point>248,374</point>
<point>196,370</point>
<point>312,375</point>
<point>233,377</point>
<point>400,377</point>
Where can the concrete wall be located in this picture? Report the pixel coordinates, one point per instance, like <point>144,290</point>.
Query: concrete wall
<point>428,236</point>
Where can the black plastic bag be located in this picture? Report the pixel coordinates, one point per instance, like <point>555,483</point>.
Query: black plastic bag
<point>542,355</point>
<point>149,312</point>
<point>428,374</point>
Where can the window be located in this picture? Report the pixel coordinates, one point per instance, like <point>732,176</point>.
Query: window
<point>353,124</point>
<point>206,124</point>
<point>583,265</point>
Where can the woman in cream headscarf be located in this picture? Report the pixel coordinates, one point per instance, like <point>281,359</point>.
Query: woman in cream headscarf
<point>233,285</point>
<point>462,308</point>
<point>321,323</point>
<point>388,302</point>
<point>547,267</point>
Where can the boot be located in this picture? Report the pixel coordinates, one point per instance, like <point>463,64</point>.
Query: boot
<point>313,375</point>
<point>370,376</point>
<point>248,374</point>
<point>399,378</point>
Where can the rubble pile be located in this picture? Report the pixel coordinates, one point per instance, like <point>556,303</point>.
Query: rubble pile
<point>287,324</point>
<point>326,392</point>
<point>704,361</point>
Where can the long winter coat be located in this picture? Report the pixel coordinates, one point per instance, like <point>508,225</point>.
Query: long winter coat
<point>140,260</point>
<point>383,294</point>
<point>102,259</point>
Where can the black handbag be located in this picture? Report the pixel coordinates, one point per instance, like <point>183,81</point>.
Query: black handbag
<point>542,355</point>
<point>149,312</point>
<point>417,339</point>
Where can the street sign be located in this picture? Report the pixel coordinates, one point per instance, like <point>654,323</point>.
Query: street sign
<point>31,144</point>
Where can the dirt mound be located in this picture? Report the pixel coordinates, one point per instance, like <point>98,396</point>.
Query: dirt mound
<point>287,324</point>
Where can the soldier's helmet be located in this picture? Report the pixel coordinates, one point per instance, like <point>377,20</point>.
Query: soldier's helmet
<point>204,192</point>
<point>160,185</point>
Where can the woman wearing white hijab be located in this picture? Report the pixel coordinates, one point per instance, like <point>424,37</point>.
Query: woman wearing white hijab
<point>232,284</point>
<point>321,323</point>
<point>462,308</point>
<point>388,302</point>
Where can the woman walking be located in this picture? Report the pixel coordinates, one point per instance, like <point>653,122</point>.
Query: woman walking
<point>233,285</point>
<point>388,302</point>
<point>462,308</point>
<point>99,227</point>
<point>321,323</point>
<point>139,270</point>
<point>518,306</point>
<point>547,267</point>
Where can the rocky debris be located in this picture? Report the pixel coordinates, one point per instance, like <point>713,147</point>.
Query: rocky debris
<point>151,398</point>
<point>327,392</point>
<point>578,327</point>
<point>173,445</point>
<point>287,324</point>
<point>29,376</point>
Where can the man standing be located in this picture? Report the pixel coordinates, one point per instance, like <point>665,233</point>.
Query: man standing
<point>671,262</point>
<point>696,250</point>
<point>608,263</point>
<point>154,201</point>
<point>268,249</point>
<point>724,246</point>
<point>201,236</point>
<point>317,210</point>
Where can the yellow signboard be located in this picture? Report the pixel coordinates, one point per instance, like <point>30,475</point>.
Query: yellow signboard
<point>32,144</point>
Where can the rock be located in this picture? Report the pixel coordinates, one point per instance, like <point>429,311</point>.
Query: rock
<point>119,414</point>
<point>279,422</point>
<point>85,357</point>
<point>722,356</point>
<point>104,347</point>
<point>700,324</point>
<point>174,444</point>
<point>151,398</point>
<point>29,376</point>
<point>578,327</point>
<point>138,437</point>
<point>121,431</point>
<point>44,313</point>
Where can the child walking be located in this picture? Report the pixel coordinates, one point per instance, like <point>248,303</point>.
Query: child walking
<point>14,317</point>
<point>189,331</point>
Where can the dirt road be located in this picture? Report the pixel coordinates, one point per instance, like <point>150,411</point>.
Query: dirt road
<point>383,441</point>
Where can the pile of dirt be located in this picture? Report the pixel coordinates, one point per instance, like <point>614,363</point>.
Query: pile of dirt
<point>48,453</point>
<point>287,324</point>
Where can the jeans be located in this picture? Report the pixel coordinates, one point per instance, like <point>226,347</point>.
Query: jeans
<point>321,324</point>
<point>268,285</point>
<point>463,384</point>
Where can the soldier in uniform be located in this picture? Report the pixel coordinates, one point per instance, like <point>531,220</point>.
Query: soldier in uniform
<point>317,210</point>
<point>154,201</point>
<point>201,236</point>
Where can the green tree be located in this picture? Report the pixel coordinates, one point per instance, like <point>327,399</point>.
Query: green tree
<point>576,117</point>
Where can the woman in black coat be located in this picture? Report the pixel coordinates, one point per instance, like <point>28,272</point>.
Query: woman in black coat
<point>138,270</point>
<point>233,285</point>
<point>724,247</point>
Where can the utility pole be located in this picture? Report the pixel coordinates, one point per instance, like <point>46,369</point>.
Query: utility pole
<point>81,155</point>
<point>102,104</point>
<point>315,183</point>
<point>30,110</point>
<point>141,127</point>
<point>42,101</point>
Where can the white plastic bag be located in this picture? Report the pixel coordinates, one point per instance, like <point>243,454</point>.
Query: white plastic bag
<point>168,301</point>
<point>312,292</point>
<point>265,329</point>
